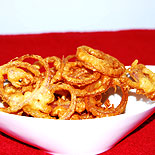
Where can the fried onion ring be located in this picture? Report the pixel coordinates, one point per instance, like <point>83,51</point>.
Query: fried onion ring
<point>104,112</point>
<point>66,89</point>
<point>99,61</point>
<point>141,79</point>
<point>72,105</point>
<point>11,100</point>
<point>75,74</point>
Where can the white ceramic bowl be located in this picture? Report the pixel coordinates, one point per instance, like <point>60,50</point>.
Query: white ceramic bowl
<point>70,137</point>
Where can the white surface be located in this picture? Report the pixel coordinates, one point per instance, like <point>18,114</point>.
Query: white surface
<point>82,137</point>
<point>36,16</point>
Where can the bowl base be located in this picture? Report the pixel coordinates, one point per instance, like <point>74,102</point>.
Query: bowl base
<point>70,154</point>
<point>106,149</point>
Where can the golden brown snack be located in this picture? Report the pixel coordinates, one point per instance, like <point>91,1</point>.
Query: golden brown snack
<point>55,88</point>
<point>99,61</point>
<point>16,98</point>
<point>100,111</point>
<point>141,78</point>
<point>75,74</point>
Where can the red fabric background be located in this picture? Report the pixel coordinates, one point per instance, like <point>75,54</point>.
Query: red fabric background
<point>124,45</point>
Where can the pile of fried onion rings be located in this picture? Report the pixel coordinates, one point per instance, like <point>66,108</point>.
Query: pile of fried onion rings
<point>71,88</point>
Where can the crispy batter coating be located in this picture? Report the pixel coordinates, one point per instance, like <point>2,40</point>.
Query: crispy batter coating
<point>141,78</point>
<point>75,74</point>
<point>55,88</point>
<point>107,111</point>
<point>99,61</point>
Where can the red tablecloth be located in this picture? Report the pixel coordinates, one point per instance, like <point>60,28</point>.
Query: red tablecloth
<point>124,45</point>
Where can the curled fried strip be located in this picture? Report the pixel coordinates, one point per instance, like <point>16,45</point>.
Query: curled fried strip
<point>64,89</point>
<point>14,100</point>
<point>55,60</point>
<point>72,106</point>
<point>95,88</point>
<point>99,61</point>
<point>56,71</point>
<point>38,98</point>
<point>141,79</point>
<point>75,74</point>
<point>58,75</point>
<point>104,112</point>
